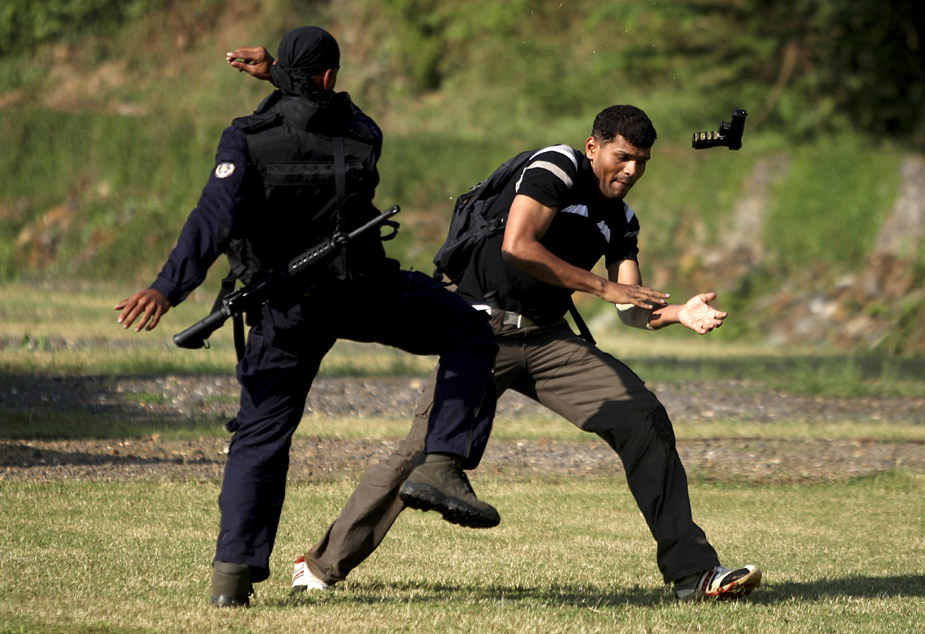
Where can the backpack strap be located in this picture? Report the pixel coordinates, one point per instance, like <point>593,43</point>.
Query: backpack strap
<point>580,323</point>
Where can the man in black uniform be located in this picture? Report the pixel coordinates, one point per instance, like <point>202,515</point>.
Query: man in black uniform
<point>299,169</point>
<point>566,212</point>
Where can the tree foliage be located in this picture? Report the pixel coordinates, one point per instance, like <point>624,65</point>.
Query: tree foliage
<point>26,23</point>
<point>811,65</point>
<point>827,64</point>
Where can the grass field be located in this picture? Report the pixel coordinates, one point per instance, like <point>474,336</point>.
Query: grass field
<point>571,555</point>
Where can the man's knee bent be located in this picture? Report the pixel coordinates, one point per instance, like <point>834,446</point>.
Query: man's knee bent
<point>619,422</point>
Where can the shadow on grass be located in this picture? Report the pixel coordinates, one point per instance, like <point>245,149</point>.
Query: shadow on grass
<point>97,406</point>
<point>859,586</point>
<point>24,456</point>
<point>567,595</point>
<point>591,596</point>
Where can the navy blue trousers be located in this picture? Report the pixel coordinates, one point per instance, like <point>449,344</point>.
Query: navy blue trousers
<point>407,310</point>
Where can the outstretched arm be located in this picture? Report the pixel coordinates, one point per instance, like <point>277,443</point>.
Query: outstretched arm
<point>526,225</point>
<point>253,60</point>
<point>696,313</point>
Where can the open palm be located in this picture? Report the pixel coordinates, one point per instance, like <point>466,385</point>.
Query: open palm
<point>699,316</point>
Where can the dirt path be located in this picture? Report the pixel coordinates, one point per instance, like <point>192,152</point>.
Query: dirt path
<point>314,459</point>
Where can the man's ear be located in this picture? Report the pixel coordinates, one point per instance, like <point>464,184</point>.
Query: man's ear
<point>591,147</point>
<point>329,79</point>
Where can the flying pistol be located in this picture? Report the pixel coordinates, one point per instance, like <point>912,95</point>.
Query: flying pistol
<point>729,134</point>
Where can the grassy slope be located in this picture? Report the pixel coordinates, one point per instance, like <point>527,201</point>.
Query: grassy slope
<point>112,139</point>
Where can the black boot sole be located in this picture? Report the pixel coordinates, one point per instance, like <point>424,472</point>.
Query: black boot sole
<point>424,497</point>
<point>224,601</point>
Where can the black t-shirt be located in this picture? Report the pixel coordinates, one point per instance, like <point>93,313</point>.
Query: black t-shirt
<point>584,229</point>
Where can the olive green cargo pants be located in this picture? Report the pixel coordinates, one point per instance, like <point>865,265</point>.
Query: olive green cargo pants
<point>586,386</point>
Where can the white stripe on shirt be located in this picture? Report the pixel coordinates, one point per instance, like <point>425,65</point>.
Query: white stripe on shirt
<point>551,167</point>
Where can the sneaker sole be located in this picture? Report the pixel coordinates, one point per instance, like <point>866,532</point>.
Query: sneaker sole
<point>308,589</point>
<point>424,497</point>
<point>741,587</point>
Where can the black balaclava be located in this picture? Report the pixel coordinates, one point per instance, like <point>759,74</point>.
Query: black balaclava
<point>303,53</point>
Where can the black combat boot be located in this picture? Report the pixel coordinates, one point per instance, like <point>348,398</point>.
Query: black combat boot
<point>439,484</point>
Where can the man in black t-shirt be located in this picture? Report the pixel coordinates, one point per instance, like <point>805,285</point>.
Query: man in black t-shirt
<point>586,227</point>
<point>566,212</point>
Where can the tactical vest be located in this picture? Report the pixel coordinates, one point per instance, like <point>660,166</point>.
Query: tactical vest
<point>317,167</point>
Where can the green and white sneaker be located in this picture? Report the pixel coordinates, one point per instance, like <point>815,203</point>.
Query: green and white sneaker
<point>718,584</point>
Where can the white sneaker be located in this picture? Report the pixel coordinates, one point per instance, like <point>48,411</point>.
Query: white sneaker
<point>303,578</point>
<point>720,584</point>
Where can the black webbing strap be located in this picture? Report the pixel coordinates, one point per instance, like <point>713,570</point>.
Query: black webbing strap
<point>237,321</point>
<point>237,326</point>
<point>223,291</point>
<point>340,177</point>
<point>580,323</point>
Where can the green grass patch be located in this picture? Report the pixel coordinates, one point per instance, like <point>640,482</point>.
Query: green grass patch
<point>61,329</point>
<point>570,555</point>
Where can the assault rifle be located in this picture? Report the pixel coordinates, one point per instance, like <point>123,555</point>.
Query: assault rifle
<point>254,295</point>
<point>728,135</point>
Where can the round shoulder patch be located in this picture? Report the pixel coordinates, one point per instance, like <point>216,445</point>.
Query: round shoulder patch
<point>224,170</point>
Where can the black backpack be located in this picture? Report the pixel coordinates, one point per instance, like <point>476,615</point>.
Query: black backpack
<point>475,218</point>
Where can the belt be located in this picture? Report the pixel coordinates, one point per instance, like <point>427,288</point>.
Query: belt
<point>508,318</point>
<point>516,320</point>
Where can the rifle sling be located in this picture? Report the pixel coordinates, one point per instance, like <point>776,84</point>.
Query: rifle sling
<point>237,325</point>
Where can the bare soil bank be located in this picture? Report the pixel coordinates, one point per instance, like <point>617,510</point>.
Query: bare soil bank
<point>752,460</point>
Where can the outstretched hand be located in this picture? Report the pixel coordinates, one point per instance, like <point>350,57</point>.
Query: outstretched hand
<point>253,60</point>
<point>148,304</point>
<point>640,296</point>
<point>699,316</point>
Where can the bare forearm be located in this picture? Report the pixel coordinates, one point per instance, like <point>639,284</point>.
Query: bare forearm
<point>527,222</point>
<point>665,316</point>
<point>546,267</point>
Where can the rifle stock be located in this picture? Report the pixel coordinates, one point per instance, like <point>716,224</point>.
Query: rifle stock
<point>196,335</point>
<point>260,292</point>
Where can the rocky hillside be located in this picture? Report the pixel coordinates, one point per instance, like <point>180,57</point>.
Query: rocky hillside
<point>880,307</point>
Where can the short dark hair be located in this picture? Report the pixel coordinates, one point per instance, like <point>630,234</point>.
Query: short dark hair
<point>628,121</point>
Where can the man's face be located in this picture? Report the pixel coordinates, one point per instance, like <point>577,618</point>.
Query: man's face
<point>616,165</point>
